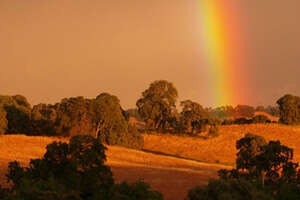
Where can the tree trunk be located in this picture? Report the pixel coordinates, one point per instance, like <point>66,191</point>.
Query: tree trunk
<point>263,175</point>
<point>97,130</point>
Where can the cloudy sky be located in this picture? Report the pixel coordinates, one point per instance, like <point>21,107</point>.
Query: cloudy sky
<point>53,49</point>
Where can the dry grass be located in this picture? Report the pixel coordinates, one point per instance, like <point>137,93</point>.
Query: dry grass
<point>168,174</point>
<point>172,176</point>
<point>221,149</point>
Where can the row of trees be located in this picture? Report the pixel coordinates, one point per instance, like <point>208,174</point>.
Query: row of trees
<point>157,107</point>
<point>101,117</point>
<point>264,171</point>
<point>240,111</point>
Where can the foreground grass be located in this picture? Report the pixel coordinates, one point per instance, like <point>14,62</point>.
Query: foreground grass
<point>171,176</point>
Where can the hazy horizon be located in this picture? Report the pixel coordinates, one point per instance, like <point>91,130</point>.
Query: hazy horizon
<point>56,49</point>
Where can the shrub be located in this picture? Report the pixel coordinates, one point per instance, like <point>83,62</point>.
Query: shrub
<point>260,119</point>
<point>228,190</point>
<point>135,191</point>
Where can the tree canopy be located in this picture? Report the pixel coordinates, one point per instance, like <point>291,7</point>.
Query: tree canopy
<point>193,117</point>
<point>18,112</point>
<point>157,104</point>
<point>289,106</point>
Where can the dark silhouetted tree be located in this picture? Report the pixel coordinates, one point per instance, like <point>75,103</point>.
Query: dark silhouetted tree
<point>74,170</point>
<point>263,171</point>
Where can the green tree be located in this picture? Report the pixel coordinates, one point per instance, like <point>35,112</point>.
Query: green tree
<point>157,104</point>
<point>18,112</point>
<point>110,123</point>
<point>289,106</point>
<point>72,117</point>
<point>43,118</point>
<point>193,117</point>
<point>107,115</point>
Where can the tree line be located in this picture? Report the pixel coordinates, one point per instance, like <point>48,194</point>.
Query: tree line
<point>157,108</point>
<point>101,117</point>
<point>104,117</point>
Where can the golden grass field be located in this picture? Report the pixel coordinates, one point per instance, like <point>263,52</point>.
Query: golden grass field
<point>162,169</point>
<point>221,149</point>
<point>171,176</point>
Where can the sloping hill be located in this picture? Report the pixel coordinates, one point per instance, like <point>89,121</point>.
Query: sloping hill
<point>164,168</point>
<point>170,175</point>
<point>221,149</point>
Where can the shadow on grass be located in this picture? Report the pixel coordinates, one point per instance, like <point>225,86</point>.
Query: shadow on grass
<point>185,158</point>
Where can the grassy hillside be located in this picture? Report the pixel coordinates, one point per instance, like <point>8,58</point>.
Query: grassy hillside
<point>162,168</point>
<point>221,149</point>
<point>170,175</point>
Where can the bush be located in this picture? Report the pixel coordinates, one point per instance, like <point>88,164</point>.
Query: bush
<point>242,121</point>
<point>135,191</point>
<point>228,190</point>
<point>260,119</point>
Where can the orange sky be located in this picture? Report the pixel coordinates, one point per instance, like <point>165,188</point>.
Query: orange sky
<point>53,49</point>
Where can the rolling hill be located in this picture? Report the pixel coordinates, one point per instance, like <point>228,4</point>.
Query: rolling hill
<point>170,164</point>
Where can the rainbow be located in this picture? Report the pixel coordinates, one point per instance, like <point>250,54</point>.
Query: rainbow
<point>222,44</point>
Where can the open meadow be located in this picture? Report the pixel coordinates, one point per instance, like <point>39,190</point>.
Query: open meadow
<point>168,163</point>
